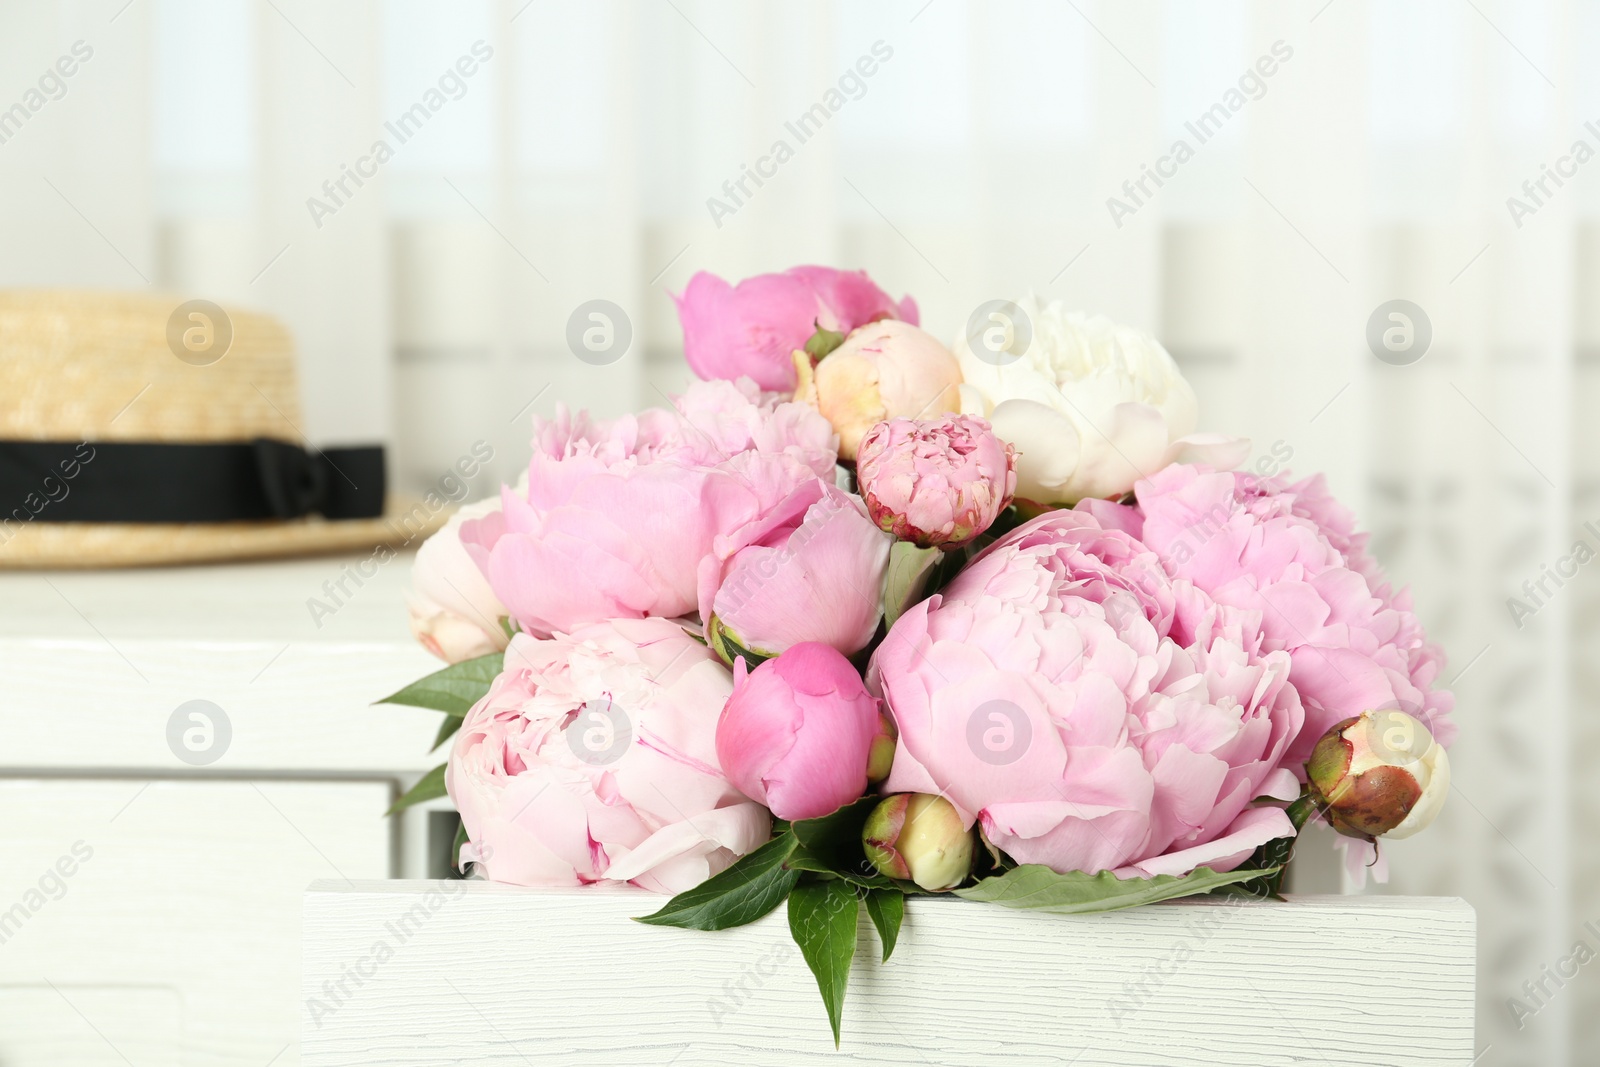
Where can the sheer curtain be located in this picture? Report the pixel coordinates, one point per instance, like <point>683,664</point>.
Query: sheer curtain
<point>604,151</point>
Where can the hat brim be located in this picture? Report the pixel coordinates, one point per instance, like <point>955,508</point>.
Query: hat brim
<point>62,545</point>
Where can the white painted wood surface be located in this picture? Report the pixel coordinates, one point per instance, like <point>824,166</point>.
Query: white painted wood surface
<point>155,923</point>
<point>115,653</point>
<point>430,973</point>
<point>179,942</point>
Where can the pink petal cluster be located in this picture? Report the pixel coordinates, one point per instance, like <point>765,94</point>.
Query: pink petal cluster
<point>751,329</point>
<point>1089,712</point>
<point>809,569</point>
<point>593,758</point>
<point>797,733</point>
<point>936,481</point>
<point>1289,553</point>
<point>617,516</point>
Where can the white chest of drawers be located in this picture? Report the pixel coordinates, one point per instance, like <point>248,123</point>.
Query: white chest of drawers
<point>151,873</point>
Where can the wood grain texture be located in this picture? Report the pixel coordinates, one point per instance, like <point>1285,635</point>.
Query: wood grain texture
<point>158,923</point>
<point>114,654</point>
<point>429,973</point>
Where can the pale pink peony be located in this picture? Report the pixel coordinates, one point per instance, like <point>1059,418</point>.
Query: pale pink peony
<point>940,481</point>
<point>798,731</point>
<point>1289,553</point>
<point>1089,713</point>
<point>617,516</point>
<point>751,328</point>
<point>593,758</point>
<point>454,613</point>
<point>809,569</point>
<point>882,371</point>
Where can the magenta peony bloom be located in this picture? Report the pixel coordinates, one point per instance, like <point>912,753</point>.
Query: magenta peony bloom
<point>936,481</point>
<point>750,329</point>
<point>797,733</point>
<point>618,516</point>
<point>810,569</point>
<point>593,757</point>
<point>1089,713</point>
<point>1289,553</point>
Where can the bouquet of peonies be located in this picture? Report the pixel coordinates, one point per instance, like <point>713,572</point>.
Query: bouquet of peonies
<point>861,617</point>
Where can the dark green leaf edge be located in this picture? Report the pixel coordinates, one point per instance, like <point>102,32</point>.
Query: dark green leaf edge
<point>447,730</point>
<point>822,921</point>
<point>887,909</point>
<point>428,787</point>
<point>743,893</point>
<point>452,690</point>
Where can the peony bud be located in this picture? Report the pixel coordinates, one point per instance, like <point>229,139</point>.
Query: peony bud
<point>1379,774</point>
<point>799,732</point>
<point>883,370</point>
<point>939,481</point>
<point>880,758</point>
<point>918,837</point>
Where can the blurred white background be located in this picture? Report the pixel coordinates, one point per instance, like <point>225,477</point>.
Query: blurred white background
<point>577,162</point>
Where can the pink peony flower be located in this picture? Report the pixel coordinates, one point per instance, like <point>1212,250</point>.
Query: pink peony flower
<point>1089,713</point>
<point>593,758</point>
<point>454,613</point>
<point>936,481</point>
<point>810,569</point>
<point>881,371</point>
<point>1289,554</point>
<point>751,328</point>
<point>797,733</point>
<point>617,516</point>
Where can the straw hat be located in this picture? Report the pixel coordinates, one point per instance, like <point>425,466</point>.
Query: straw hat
<point>143,429</point>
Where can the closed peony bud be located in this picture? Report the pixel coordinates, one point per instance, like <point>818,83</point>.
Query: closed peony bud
<point>938,481</point>
<point>799,732</point>
<point>1379,774</point>
<point>918,837</point>
<point>883,370</point>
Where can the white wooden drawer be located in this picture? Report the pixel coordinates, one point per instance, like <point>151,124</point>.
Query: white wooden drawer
<point>418,974</point>
<point>172,934</point>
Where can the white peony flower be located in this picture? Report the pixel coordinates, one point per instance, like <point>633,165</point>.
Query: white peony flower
<point>454,613</point>
<point>1091,406</point>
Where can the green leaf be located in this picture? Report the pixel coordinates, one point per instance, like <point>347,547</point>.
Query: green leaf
<point>453,690</point>
<point>886,908</point>
<point>833,842</point>
<point>722,641</point>
<point>803,859</point>
<point>508,626</point>
<point>822,918</point>
<point>822,342</point>
<point>447,730</point>
<point>1272,859</point>
<point>741,894</point>
<point>1041,889</point>
<point>906,582</point>
<point>431,785</point>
